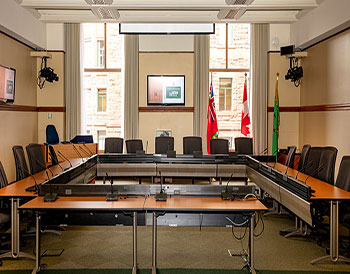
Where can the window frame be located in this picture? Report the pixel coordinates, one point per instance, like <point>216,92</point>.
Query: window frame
<point>101,111</point>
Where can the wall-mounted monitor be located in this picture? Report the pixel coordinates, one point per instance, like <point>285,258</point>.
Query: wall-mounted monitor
<point>165,90</point>
<point>7,84</point>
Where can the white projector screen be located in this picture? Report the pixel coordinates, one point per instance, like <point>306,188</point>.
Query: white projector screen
<point>166,28</point>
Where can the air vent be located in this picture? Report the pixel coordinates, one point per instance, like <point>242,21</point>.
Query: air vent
<point>238,2</point>
<point>106,13</point>
<point>99,2</point>
<point>227,13</point>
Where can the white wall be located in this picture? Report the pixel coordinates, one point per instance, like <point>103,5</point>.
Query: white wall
<point>166,43</point>
<point>22,24</point>
<point>327,19</point>
<point>55,36</point>
<point>282,33</point>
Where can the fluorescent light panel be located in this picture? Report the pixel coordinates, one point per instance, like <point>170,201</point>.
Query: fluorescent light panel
<point>166,28</point>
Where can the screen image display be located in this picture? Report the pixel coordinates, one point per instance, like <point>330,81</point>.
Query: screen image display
<point>7,84</point>
<point>165,90</point>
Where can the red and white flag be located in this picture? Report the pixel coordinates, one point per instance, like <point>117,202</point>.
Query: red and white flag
<point>245,122</point>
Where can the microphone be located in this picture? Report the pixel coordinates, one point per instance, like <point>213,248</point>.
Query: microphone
<point>35,187</point>
<point>146,146</point>
<point>314,172</point>
<point>161,196</point>
<point>309,164</point>
<point>88,154</point>
<point>50,197</point>
<point>44,167</point>
<point>168,145</point>
<point>64,157</point>
<point>264,151</point>
<point>226,195</point>
<point>57,162</point>
<point>75,149</point>
<point>111,196</point>
<point>88,149</point>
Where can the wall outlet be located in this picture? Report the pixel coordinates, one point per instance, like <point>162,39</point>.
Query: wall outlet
<point>49,115</point>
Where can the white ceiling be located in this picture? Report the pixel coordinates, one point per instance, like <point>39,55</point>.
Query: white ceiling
<point>259,11</point>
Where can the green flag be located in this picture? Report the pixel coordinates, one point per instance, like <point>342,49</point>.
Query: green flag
<point>276,121</point>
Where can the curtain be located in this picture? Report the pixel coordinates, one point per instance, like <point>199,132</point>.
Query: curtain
<point>72,81</point>
<point>259,49</point>
<point>201,86</point>
<point>131,87</point>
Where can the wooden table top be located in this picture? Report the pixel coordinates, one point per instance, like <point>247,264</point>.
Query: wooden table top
<point>323,190</point>
<point>93,203</point>
<point>203,204</point>
<point>18,189</point>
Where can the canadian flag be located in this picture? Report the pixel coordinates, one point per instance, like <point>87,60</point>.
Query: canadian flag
<point>245,122</point>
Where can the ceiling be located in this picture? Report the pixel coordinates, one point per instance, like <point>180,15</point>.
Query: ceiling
<point>240,11</point>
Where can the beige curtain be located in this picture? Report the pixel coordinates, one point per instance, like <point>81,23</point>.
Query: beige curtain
<point>201,87</point>
<point>259,48</point>
<point>131,87</point>
<point>72,80</point>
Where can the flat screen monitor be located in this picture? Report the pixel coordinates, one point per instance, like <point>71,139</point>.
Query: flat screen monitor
<point>7,84</point>
<point>165,90</point>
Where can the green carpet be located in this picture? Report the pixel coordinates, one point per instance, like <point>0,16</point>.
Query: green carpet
<point>166,271</point>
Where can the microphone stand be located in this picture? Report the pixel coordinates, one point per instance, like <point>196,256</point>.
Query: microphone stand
<point>161,196</point>
<point>65,158</point>
<point>111,196</point>
<point>226,195</point>
<point>50,197</point>
<point>77,152</point>
<point>57,162</point>
<point>88,149</point>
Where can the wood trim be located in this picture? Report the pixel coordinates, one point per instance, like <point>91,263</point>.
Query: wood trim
<point>184,51</point>
<point>8,107</point>
<point>166,109</point>
<point>314,108</point>
<point>56,50</point>
<point>229,70</point>
<point>51,109</point>
<point>102,70</point>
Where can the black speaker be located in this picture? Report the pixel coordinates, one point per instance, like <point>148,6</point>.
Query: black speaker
<point>288,50</point>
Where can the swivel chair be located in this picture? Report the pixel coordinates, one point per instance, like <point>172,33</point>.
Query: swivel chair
<point>327,165</point>
<point>219,146</point>
<point>290,157</point>
<point>21,164</point>
<point>36,158</point>
<point>54,159</point>
<point>163,144</point>
<point>304,156</point>
<point>133,145</point>
<point>52,135</point>
<point>244,145</point>
<point>114,145</point>
<point>191,144</point>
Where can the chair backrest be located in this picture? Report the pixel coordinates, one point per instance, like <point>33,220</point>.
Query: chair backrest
<point>219,146</point>
<point>313,160</point>
<point>133,145</point>
<point>54,159</point>
<point>304,156</point>
<point>290,157</point>
<point>114,145</point>
<point>163,144</point>
<point>244,145</point>
<point>191,143</point>
<point>327,165</point>
<point>52,135</point>
<point>343,178</point>
<point>3,178</point>
<point>21,164</point>
<point>36,158</point>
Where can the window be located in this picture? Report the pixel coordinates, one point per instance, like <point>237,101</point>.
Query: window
<point>100,53</point>
<point>229,61</point>
<point>225,93</point>
<point>101,137</point>
<point>101,100</point>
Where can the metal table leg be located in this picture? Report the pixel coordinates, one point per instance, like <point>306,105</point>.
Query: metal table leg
<point>134,225</point>
<point>154,244</point>
<point>37,243</point>
<point>333,236</point>
<point>15,252</point>
<point>251,244</point>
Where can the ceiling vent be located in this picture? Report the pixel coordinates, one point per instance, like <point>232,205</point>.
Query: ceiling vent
<point>227,13</point>
<point>238,2</point>
<point>99,2</point>
<point>106,13</point>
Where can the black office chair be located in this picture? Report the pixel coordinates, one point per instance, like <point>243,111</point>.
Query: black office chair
<point>133,145</point>
<point>163,144</point>
<point>313,160</point>
<point>22,170</point>
<point>304,156</point>
<point>114,145</point>
<point>5,214</point>
<point>52,135</point>
<point>244,145</point>
<point>53,155</point>
<point>327,165</point>
<point>219,146</point>
<point>191,143</point>
<point>290,157</point>
<point>36,158</point>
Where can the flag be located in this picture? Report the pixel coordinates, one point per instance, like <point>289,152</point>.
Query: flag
<point>276,121</point>
<point>212,127</point>
<point>245,122</point>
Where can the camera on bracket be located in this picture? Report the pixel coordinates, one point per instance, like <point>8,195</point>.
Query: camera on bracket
<point>46,74</point>
<point>295,72</point>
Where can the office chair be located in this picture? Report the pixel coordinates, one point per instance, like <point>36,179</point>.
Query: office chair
<point>327,165</point>
<point>304,156</point>
<point>191,143</point>
<point>219,146</point>
<point>36,158</point>
<point>114,145</point>
<point>21,164</point>
<point>313,161</point>
<point>133,145</point>
<point>164,144</point>
<point>244,145</point>
<point>54,159</point>
<point>5,216</point>
<point>52,135</point>
<point>290,157</point>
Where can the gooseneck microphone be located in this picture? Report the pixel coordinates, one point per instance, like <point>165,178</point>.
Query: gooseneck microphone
<point>88,154</point>
<point>111,196</point>
<point>57,162</point>
<point>77,152</point>
<point>314,172</point>
<point>146,146</point>
<point>88,149</point>
<point>226,195</point>
<point>309,164</point>
<point>64,157</point>
<point>44,167</point>
<point>161,196</point>
<point>50,197</point>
